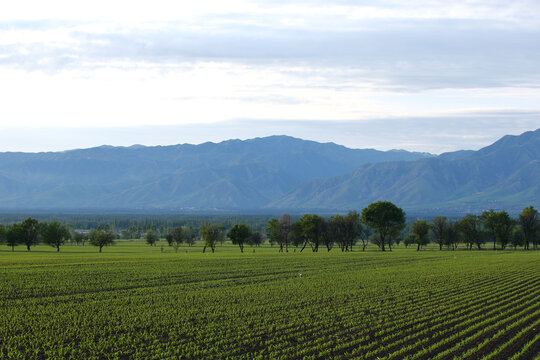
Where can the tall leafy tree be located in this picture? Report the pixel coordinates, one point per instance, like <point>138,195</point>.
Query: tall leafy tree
<point>278,232</point>
<point>489,219</point>
<point>503,228</point>
<point>14,234</point>
<point>273,232</point>
<point>499,226</point>
<point>518,238</point>
<point>439,230</point>
<point>239,235</point>
<point>347,229</point>
<point>354,228</point>
<point>2,234</point>
<point>30,234</point>
<point>308,231</point>
<point>386,218</point>
<point>211,234</point>
<point>420,229</point>
<point>451,236</point>
<point>339,230</point>
<point>101,238</point>
<point>328,234</point>
<point>56,234</point>
<point>530,225</point>
<point>470,227</point>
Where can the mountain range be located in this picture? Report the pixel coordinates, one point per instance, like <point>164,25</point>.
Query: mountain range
<point>504,175</point>
<point>229,175</point>
<point>271,174</point>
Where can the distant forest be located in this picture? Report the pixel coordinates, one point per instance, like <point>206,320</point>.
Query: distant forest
<point>381,223</point>
<point>141,222</point>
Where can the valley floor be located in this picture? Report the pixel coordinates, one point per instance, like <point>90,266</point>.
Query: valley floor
<point>135,301</point>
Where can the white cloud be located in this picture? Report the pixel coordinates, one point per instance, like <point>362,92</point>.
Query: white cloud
<point>132,63</point>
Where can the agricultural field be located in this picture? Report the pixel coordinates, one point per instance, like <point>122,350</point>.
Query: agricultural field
<point>137,301</point>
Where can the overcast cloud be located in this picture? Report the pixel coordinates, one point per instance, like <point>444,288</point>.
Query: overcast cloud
<point>421,75</point>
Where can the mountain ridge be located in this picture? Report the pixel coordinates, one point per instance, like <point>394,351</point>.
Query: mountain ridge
<point>231,174</point>
<point>271,174</point>
<point>503,174</point>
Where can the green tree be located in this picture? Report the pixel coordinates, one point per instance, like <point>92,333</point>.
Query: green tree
<point>189,236</point>
<point>503,228</point>
<point>499,226</point>
<point>273,232</point>
<point>439,230</point>
<point>211,234</point>
<point>14,234</point>
<point>30,232</point>
<point>489,219</point>
<point>451,235</point>
<point>239,235</point>
<point>470,228</point>
<point>308,230</point>
<point>256,239</point>
<point>518,238</point>
<point>347,229</point>
<point>101,238</point>
<point>151,237</point>
<point>420,229</point>
<point>354,228</point>
<point>278,232</point>
<point>328,234</point>
<point>2,234</point>
<point>175,237</point>
<point>409,240</point>
<point>339,228</point>
<point>56,234</point>
<point>385,217</point>
<point>530,225</point>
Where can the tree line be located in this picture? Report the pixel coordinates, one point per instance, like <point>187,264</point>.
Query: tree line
<point>381,223</point>
<point>384,224</point>
<point>476,230</point>
<point>31,232</point>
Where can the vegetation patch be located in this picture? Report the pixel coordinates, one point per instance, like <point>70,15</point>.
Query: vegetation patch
<point>140,301</point>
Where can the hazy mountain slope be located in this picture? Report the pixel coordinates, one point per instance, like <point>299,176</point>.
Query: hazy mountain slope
<point>505,173</point>
<point>228,175</point>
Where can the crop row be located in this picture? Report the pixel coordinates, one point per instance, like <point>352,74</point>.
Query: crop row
<point>270,307</point>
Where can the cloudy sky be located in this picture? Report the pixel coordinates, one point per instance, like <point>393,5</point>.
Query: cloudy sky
<point>419,75</point>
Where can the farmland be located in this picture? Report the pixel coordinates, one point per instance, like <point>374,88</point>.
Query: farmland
<point>137,301</point>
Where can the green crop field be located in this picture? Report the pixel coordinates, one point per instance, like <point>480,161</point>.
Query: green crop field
<point>136,301</point>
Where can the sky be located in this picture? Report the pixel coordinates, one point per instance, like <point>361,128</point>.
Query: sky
<point>430,75</point>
